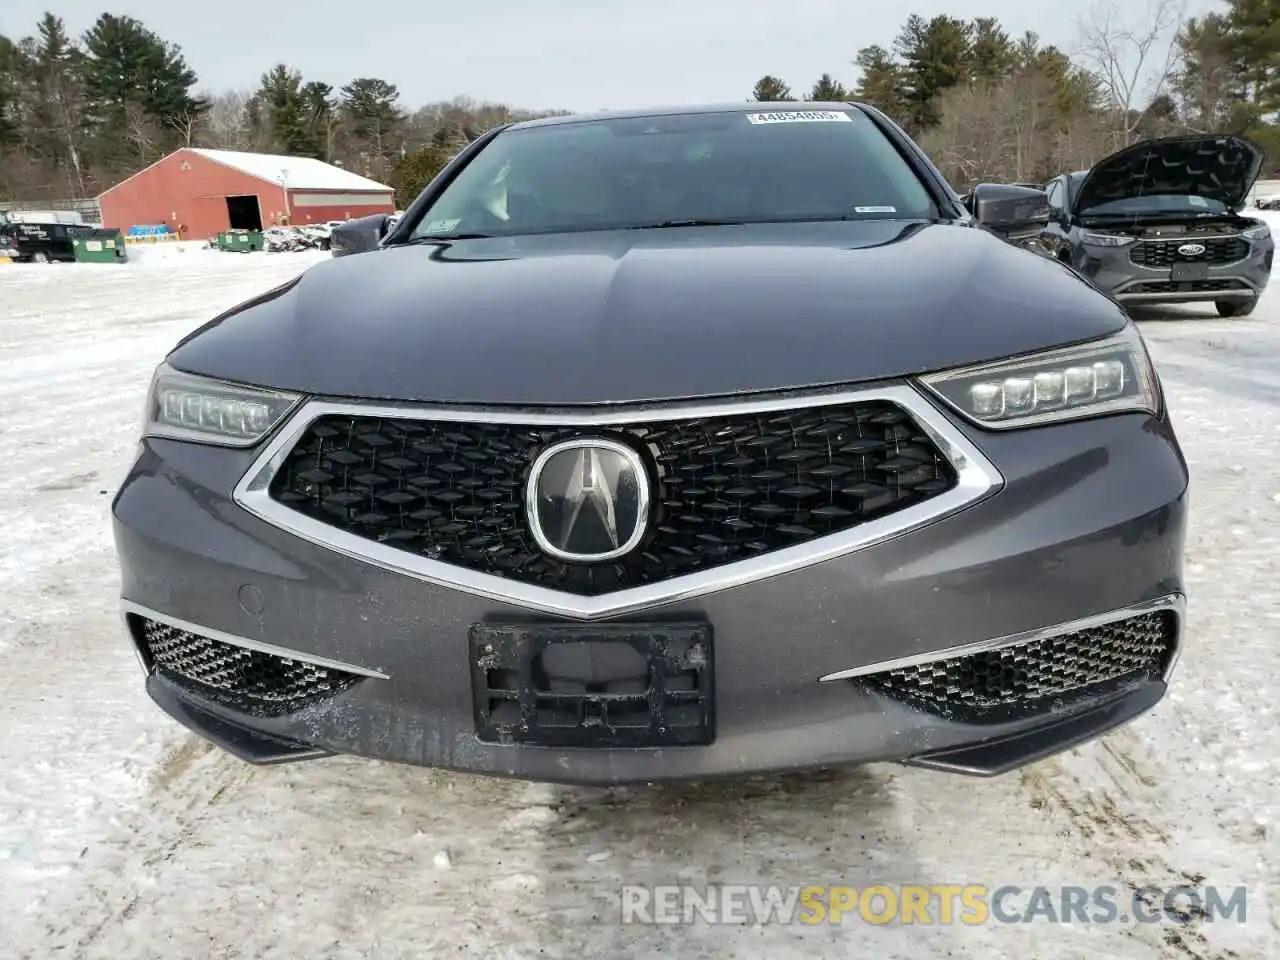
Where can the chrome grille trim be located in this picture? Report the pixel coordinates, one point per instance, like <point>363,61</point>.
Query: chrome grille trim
<point>1175,602</point>
<point>128,606</point>
<point>977,478</point>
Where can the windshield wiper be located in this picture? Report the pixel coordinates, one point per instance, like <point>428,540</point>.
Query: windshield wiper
<point>447,237</point>
<point>664,224</point>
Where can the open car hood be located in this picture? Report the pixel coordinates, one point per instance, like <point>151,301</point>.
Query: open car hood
<point>1218,168</point>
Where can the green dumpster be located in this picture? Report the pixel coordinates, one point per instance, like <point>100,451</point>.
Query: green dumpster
<point>98,246</point>
<point>240,241</point>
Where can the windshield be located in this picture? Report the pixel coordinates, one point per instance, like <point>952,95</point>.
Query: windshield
<point>720,167</point>
<point>1157,203</point>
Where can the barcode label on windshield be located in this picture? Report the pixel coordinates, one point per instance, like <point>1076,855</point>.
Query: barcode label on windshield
<point>801,116</point>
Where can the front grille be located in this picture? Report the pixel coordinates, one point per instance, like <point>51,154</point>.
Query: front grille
<point>1029,677</point>
<point>726,488</point>
<point>249,680</point>
<point>1164,253</point>
<point>1184,286</point>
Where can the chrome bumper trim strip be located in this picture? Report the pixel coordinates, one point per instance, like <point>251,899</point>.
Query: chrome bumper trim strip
<point>1174,601</point>
<point>128,606</point>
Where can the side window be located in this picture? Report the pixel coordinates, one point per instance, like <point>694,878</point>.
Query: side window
<point>1056,198</point>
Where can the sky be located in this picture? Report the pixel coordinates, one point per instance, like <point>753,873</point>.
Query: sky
<point>580,55</point>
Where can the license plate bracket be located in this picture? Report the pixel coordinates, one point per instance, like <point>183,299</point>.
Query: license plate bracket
<point>593,685</point>
<point>1189,272</point>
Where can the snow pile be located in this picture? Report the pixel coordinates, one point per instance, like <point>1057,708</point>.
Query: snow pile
<point>150,253</point>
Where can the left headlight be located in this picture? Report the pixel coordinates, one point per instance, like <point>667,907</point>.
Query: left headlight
<point>1260,232</point>
<point>1112,375</point>
<point>181,406</point>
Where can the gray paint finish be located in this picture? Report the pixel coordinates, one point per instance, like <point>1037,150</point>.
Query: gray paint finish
<point>620,316</point>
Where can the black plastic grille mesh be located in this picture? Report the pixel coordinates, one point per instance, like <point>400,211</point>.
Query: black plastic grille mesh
<point>726,488</point>
<point>1184,286</point>
<point>1164,253</point>
<point>1003,683</point>
<point>251,680</point>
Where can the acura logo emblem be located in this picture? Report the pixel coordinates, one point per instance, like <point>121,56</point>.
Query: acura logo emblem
<point>587,500</point>
<point>1191,249</point>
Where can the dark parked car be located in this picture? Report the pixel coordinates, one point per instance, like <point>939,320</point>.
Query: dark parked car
<point>664,445</point>
<point>1158,223</point>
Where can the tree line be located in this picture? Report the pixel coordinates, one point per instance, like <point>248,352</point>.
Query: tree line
<point>78,114</point>
<point>988,106</point>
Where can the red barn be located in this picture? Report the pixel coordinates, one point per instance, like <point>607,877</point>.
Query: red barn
<point>207,191</point>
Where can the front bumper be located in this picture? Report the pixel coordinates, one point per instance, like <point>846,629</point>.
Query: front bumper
<point>1090,522</point>
<point>1113,272</point>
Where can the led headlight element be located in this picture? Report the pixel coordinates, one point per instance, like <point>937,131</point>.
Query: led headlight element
<point>1104,376</point>
<point>181,406</point>
<point>1104,239</point>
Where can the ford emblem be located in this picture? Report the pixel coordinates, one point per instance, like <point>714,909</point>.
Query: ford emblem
<point>1191,249</point>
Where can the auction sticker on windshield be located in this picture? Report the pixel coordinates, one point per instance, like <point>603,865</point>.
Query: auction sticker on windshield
<point>441,226</point>
<point>801,116</point>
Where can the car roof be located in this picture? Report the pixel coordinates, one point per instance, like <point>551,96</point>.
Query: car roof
<point>736,107</point>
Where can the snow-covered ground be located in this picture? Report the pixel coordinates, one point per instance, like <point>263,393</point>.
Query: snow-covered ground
<point>122,836</point>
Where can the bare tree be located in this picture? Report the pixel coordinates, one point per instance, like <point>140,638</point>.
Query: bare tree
<point>140,131</point>
<point>1133,49</point>
<point>187,126</point>
<point>227,125</point>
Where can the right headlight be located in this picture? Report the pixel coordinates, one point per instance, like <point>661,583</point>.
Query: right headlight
<point>1112,375</point>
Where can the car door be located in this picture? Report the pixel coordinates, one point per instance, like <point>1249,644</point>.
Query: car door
<point>60,243</point>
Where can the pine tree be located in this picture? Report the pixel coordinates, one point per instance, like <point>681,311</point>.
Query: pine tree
<point>9,114</point>
<point>282,107</point>
<point>827,89</point>
<point>137,90</point>
<point>880,84</point>
<point>1209,87</point>
<point>54,128</point>
<point>1253,39</point>
<point>991,52</point>
<point>771,89</point>
<point>373,120</point>
<point>935,56</point>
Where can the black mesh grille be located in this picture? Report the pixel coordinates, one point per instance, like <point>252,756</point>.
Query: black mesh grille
<point>250,680</point>
<point>1164,253</point>
<point>1184,286</point>
<point>1002,684</point>
<point>727,488</point>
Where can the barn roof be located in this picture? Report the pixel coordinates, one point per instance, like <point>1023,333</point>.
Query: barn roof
<point>304,173</point>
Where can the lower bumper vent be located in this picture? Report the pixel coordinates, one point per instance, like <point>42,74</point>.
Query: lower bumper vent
<point>1027,678</point>
<point>248,680</point>
<point>1185,286</point>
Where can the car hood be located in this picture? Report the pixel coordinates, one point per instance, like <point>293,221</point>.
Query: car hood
<point>1214,167</point>
<point>625,316</point>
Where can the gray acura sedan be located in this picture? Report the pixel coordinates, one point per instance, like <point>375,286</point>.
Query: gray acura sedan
<point>665,445</point>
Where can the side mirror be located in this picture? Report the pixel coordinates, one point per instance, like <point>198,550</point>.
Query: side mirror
<point>1013,213</point>
<point>359,236</point>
